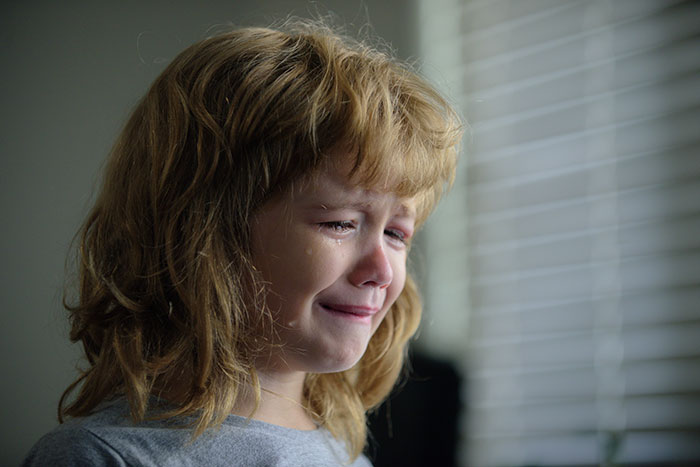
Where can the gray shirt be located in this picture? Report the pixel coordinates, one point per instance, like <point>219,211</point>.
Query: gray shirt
<point>109,437</point>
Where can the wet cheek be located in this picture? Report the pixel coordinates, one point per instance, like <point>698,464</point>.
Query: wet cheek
<point>328,261</point>
<point>313,262</point>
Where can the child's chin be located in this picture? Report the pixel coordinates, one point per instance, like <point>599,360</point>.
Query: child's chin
<point>340,361</point>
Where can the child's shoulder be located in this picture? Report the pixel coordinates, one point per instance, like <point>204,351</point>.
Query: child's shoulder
<point>73,443</point>
<point>107,437</point>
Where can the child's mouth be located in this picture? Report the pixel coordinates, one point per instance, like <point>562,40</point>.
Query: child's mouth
<point>356,312</point>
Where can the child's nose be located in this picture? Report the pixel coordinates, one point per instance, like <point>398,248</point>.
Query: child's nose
<point>373,269</point>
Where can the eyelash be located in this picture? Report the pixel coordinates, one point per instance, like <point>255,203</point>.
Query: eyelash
<point>338,226</point>
<point>396,235</point>
<point>345,226</point>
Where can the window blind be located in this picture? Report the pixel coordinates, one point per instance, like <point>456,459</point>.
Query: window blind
<point>569,252</point>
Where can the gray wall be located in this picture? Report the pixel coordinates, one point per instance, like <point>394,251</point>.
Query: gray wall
<point>70,74</point>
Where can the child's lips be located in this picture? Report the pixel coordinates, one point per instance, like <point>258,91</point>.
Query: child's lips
<point>357,310</point>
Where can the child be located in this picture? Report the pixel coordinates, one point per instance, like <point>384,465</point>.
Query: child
<point>243,289</point>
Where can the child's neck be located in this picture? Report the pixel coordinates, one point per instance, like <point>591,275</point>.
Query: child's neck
<point>281,401</point>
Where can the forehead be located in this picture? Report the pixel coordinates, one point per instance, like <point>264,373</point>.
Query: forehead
<point>334,185</point>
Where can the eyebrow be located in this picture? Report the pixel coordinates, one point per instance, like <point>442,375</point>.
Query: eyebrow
<point>403,210</point>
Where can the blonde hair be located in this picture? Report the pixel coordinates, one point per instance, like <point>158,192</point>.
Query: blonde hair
<point>164,255</point>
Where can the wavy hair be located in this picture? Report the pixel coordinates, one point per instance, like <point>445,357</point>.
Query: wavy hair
<point>164,255</point>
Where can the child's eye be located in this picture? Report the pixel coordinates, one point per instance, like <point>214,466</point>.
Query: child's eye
<point>397,235</point>
<point>338,226</point>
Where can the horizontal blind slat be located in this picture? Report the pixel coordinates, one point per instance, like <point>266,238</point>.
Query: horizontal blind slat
<point>582,229</point>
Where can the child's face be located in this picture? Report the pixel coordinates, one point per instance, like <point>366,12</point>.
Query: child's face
<point>334,256</point>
